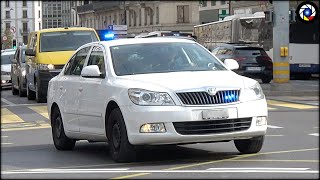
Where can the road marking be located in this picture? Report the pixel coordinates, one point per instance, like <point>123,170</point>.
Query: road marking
<point>271,108</point>
<point>260,168</point>
<point>9,117</point>
<point>4,136</point>
<point>14,105</point>
<point>277,160</point>
<point>314,134</point>
<point>146,172</point>
<point>42,110</point>
<point>274,127</point>
<point>41,126</point>
<point>290,105</point>
<point>7,102</point>
<point>5,143</point>
<point>222,160</point>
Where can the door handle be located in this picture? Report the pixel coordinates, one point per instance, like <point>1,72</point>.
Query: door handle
<point>80,89</point>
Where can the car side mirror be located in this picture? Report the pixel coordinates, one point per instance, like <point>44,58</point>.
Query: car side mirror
<point>91,71</point>
<point>231,64</point>
<point>30,52</point>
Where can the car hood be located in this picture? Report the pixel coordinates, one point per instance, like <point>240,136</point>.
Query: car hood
<point>179,81</point>
<point>6,67</point>
<point>59,57</point>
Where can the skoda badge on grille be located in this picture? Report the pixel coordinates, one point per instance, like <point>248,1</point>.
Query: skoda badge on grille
<point>212,91</point>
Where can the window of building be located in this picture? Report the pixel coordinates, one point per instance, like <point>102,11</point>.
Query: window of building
<point>24,3</point>
<point>8,14</point>
<point>39,14</point>
<point>139,17</point>
<point>115,19</point>
<point>213,3</point>
<point>24,14</point>
<point>183,14</point>
<point>145,16</point>
<point>25,39</point>
<point>134,18</point>
<point>39,3</point>
<point>151,16</point>
<point>223,2</point>
<point>8,25</point>
<point>204,3</point>
<point>25,27</point>
<point>7,3</point>
<point>157,15</point>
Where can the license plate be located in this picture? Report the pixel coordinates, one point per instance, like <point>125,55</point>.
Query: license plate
<point>254,68</point>
<point>215,114</point>
<point>304,65</point>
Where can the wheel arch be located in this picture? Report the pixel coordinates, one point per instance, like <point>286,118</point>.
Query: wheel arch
<point>54,105</point>
<point>111,106</point>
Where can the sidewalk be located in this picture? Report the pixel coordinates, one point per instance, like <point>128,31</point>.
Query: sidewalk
<point>298,88</point>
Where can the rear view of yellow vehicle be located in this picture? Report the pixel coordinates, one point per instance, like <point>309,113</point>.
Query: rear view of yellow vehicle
<point>47,52</point>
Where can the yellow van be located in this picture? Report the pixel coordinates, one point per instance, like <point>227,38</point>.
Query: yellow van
<point>47,52</point>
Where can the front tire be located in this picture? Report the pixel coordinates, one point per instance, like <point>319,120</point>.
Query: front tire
<point>249,146</point>
<point>60,140</point>
<point>40,98</point>
<point>14,91</point>
<point>22,93</point>
<point>30,94</point>
<point>120,148</point>
<point>266,79</point>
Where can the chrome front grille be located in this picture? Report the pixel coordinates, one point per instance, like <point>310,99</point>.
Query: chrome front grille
<point>212,126</point>
<point>203,98</point>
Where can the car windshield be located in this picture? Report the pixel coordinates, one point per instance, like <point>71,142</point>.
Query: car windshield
<point>65,40</point>
<point>147,58</point>
<point>6,59</point>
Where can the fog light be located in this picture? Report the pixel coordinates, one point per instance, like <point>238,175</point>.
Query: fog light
<point>261,121</point>
<point>50,66</point>
<point>153,128</point>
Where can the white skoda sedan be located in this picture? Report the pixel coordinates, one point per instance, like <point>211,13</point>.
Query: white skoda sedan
<point>154,91</point>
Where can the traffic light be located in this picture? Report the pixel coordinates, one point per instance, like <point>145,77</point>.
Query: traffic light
<point>14,43</point>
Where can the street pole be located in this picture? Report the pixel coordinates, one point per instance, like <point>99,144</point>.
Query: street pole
<point>281,66</point>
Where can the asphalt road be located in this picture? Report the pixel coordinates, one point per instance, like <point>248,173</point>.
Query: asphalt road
<point>291,150</point>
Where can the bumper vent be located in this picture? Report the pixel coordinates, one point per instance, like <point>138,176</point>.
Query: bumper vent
<point>212,126</point>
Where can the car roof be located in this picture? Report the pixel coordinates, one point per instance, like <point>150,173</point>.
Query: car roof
<point>118,42</point>
<point>239,45</point>
<point>64,29</point>
<point>8,53</point>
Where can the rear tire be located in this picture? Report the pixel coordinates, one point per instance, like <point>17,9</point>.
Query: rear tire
<point>249,146</point>
<point>120,148</point>
<point>60,140</point>
<point>266,79</point>
<point>30,94</point>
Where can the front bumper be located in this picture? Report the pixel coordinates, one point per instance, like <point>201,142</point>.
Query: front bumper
<point>45,77</point>
<point>135,116</point>
<point>5,81</point>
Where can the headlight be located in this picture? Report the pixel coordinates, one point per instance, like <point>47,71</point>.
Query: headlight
<point>252,93</point>
<point>145,97</point>
<point>45,67</point>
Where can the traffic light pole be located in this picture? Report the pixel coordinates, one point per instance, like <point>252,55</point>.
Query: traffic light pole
<point>281,66</point>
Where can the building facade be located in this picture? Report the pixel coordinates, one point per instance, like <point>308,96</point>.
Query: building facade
<point>210,11</point>
<point>22,17</point>
<point>56,14</point>
<point>141,16</point>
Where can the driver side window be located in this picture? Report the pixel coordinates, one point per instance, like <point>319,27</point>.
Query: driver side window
<point>75,65</point>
